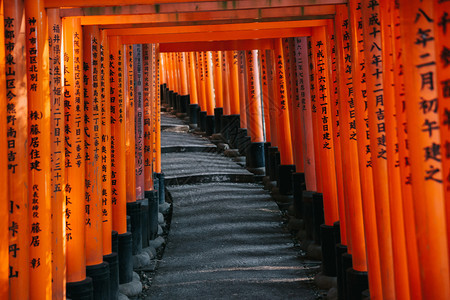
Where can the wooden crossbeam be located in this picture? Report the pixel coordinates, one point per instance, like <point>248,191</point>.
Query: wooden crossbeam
<point>217,45</point>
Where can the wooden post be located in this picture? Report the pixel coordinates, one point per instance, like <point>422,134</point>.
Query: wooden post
<point>57,156</point>
<point>233,64</point>
<point>105,89</point>
<point>218,87</point>
<point>225,84</point>
<point>118,171</point>
<point>243,96</point>
<point>364,156</point>
<point>273,107</point>
<point>202,82</point>
<point>139,118</point>
<point>421,89</point>
<point>193,79</point>
<point>130,123</point>
<point>157,109</point>
<point>4,249</point>
<point>209,81</point>
<point>255,123</point>
<point>92,130</point>
<point>17,149</point>
<point>265,95</point>
<point>148,111</point>
<point>75,154</point>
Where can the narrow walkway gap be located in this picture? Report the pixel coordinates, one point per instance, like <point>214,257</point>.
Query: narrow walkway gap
<point>226,239</point>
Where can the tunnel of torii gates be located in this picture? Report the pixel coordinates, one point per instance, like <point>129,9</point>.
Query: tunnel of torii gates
<point>347,101</point>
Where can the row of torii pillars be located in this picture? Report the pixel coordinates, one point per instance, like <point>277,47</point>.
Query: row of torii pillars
<point>350,113</point>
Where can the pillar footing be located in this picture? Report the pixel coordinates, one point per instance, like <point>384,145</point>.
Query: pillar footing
<point>209,125</point>
<point>255,155</point>
<point>80,290</point>
<point>125,258</point>
<point>193,114</point>
<point>285,179</point>
<point>218,114</point>
<point>113,261</point>
<point>134,211</point>
<point>100,280</point>
<point>357,283</point>
<point>328,250</point>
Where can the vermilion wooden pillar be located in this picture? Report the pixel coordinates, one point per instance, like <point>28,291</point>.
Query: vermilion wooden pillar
<point>57,156</point>
<point>399,253</point>
<point>243,97</point>
<point>139,118</point>
<point>157,109</point>
<point>118,173</point>
<point>218,90</point>
<point>106,142</point>
<point>273,112</point>
<point>404,163</point>
<point>364,156</point>
<point>130,123</point>
<point>265,94</point>
<point>442,12</point>
<point>225,84</point>
<point>4,249</point>
<point>233,62</point>
<point>193,88</point>
<point>17,149</point>
<point>303,77</point>
<point>427,176</point>
<point>75,157</point>
<point>148,111</point>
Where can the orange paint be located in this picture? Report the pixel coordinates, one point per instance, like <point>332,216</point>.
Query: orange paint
<point>105,88</point>
<point>183,72</point>
<point>75,154</point>
<point>4,248</point>
<point>118,170</point>
<point>265,94</point>
<point>283,127</point>
<point>130,140</point>
<point>157,111</point>
<point>93,133</point>
<point>202,83</point>
<point>225,84</point>
<point>326,143</point>
<point>17,149</point>
<point>233,66</point>
<point>57,157</point>
<point>192,79</point>
<point>218,87</point>
<point>273,112</point>
<point>139,120</point>
<point>255,122</point>
<point>209,81</point>
<point>148,111</point>
<point>365,171</point>
<point>243,95</point>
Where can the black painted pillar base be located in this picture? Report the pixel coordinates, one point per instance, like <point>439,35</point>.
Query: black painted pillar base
<point>233,124</point>
<point>218,114</point>
<point>100,280</point>
<point>209,125</point>
<point>134,211</point>
<point>161,188</point>
<point>318,217</point>
<point>242,141</point>
<point>255,155</point>
<point>266,157</point>
<point>184,103</point>
<point>170,98</point>
<point>80,290</point>
<point>225,127</point>
<point>176,102</point>
<point>144,222</point>
<point>298,186</point>
<point>125,258</point>
<point>340,250</point>
<point>202,121</point>
<point>193,114</point>
<point>357,283</point>
<point>328,250</point>
<point>113,261</point>
<point>307,199</point>
<point>153,209</point>
<point>273,163</point>
<point>347,263</point>
<point>284,182</point>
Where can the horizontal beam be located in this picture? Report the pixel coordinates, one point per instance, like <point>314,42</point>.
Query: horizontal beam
<point>216,28</point>
<point>256,15</point>
<point>190,7</point>
<point>99,3</point>
<point>215,36</point>
<point>217,46</point>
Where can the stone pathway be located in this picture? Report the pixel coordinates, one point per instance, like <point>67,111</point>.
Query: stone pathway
<point>226,239</point>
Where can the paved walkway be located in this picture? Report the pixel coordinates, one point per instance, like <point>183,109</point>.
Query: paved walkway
<point>226,239</point>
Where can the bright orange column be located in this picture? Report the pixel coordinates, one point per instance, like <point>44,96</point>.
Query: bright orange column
<point>4,248</point>
<point>148,111</point>
<point>233,62</point>
<point>421,87</point>
<point>364,155</point>
<point>193,79</point>
<point>399,253</point>
<point>105,89</point>
<point>225,84</point>
<point>202,82</point>
<point>75,154</point>
<point>17,149</point>
<point>157,109</point>
<point>118,171</point>
<point>218,87</point>
<point>57,156</point>
<point>442,12</point>
<point>265,94</point>
<point>377,127</point>
<point>130,138</point>
<point>184,89</point>
<point>243,95</point>
<point>404,163</point>
<point>92,130</point>
<point>301,49</point>
<point>283,127</point>
<point>273,112</point>
<point>315,118</point>
<point>139,119</point>
<point>255,122</point>
<point>209,81</point>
